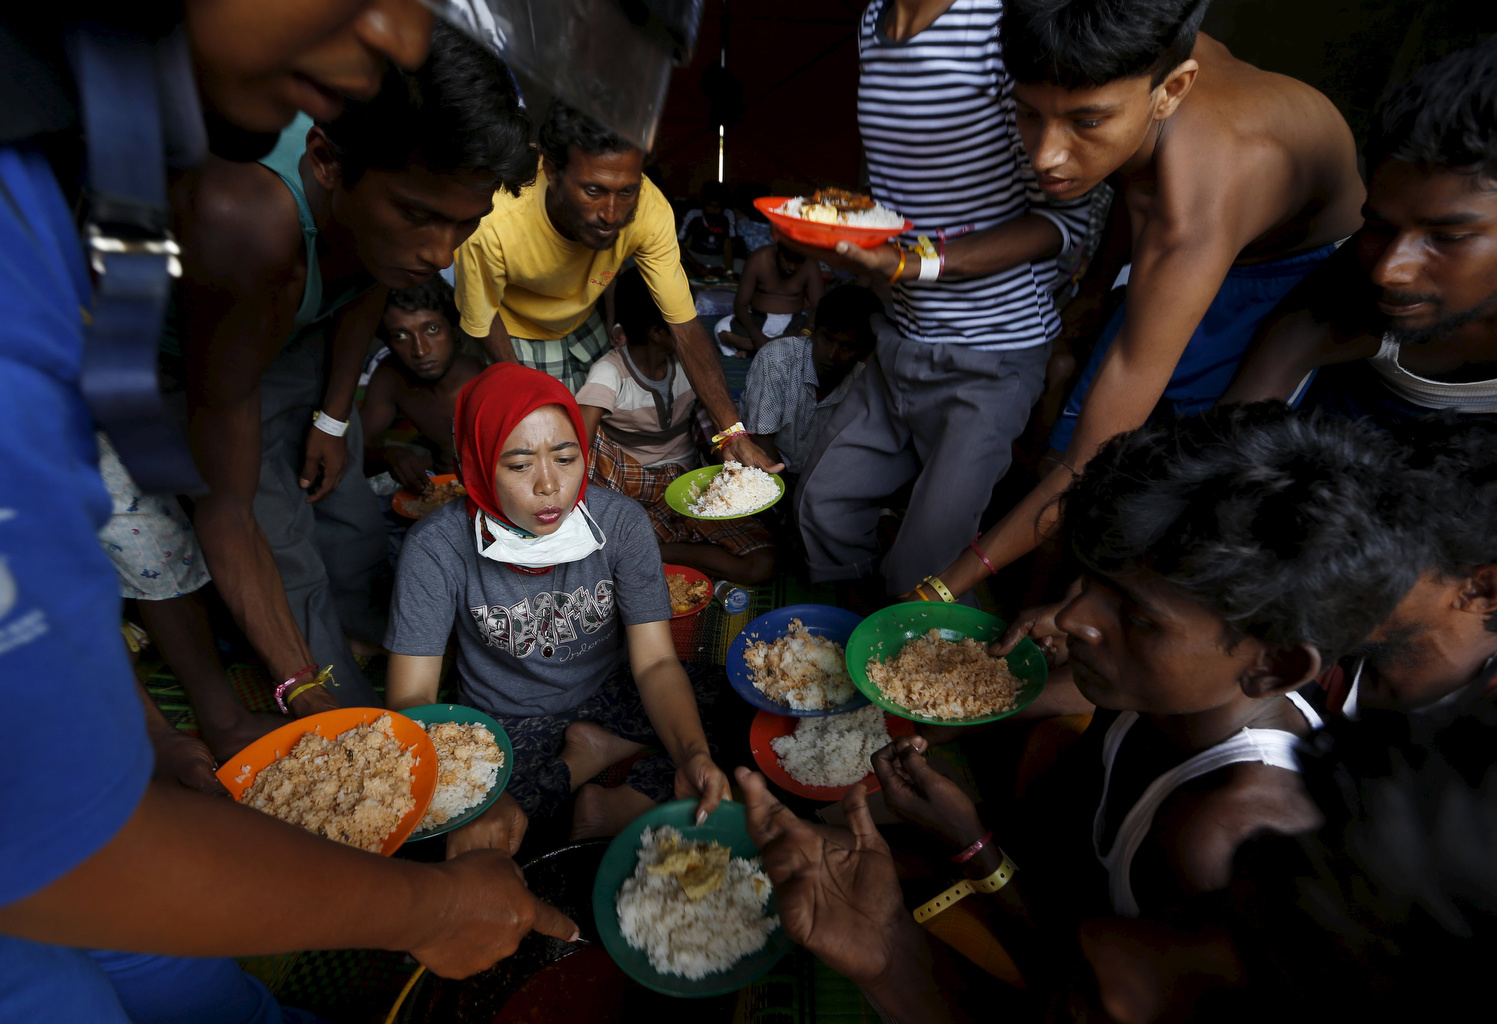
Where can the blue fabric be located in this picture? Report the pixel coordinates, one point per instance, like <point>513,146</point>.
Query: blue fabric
<point>1356,391</point>
<point>1211,356</point>
<point>42,984</point>
<point>186,990</point>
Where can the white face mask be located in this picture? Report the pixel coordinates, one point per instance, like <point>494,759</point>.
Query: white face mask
<point>573,541</point>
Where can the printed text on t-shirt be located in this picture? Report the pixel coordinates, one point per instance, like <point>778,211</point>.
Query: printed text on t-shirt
<point>548,619</point>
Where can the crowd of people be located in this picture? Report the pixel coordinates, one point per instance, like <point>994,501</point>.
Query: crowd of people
<point>1265,488</point>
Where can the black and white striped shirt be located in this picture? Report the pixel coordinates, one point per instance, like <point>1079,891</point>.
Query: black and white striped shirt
<point>937,117</point>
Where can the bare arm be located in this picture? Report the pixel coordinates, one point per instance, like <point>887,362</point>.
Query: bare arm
<point>327,456</point>
<point>699,358</point>
<point>998,248</point>
<point>741,303</point>
<point>413,681</point>
<point>496,344</point>
<point>408,463</point>
<point>815,289</point>
<point>591,417</point>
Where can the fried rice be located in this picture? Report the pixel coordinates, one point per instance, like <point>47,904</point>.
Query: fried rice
<point>801,669</point>
<point>938,678</point>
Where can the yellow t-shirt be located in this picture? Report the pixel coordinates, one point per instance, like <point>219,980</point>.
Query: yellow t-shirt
<point>518,265</point>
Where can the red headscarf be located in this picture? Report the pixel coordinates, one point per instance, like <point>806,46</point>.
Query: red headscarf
<point>489,407</point>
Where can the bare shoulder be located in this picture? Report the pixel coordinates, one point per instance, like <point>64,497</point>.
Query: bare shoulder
<point>238,222</point>
<point>385,382</point>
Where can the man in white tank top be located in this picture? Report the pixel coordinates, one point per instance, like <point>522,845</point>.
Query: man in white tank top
<point>1403,321</point>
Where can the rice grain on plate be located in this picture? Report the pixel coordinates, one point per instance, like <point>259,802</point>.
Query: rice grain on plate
<point>738,490</point>
<point>693,937</point>
<point>354,789</point>
<point>468,763</point>
<point>833,751</point>
<point>877,217</point>
<point>801,670</point>
<point>939,678</point>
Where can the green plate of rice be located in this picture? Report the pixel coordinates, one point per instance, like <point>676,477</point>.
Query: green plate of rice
<point>451,797</point>
<point>689,488</point>
<point>701,934</point>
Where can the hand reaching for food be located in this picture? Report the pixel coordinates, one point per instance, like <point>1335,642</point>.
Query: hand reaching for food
<point>1038,624</point>
<point>187,761</point>
<point>700,777</point>
<point>408,466</point>
<point>923,796</point>
<point>742,449</point>
<point>501,827</point>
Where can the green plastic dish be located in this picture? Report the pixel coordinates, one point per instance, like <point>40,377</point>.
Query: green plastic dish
<point>688,487</point>
<point>432,714</point>
<point>882,635</point>
<point>727,826</point>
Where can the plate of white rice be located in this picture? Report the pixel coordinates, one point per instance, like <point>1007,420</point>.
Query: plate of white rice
<point>729,491</point>
<point>665,940</point>
<point>822,758</point>
<point>474,762</point>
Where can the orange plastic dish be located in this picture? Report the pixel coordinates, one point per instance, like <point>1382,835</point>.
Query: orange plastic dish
<point>767,726</point>
<point>691,576</point>
<point>404,502</point>
<point>824,236</point>
<point>238,772</point>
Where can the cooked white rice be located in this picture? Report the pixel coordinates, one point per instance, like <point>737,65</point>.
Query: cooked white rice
<point>800,669</point>
<point>738,490</point>
<point>833,751</point>
<point>693,938</point>
<point>878,217</point>
<point>468,763</point>
<point>940,678</point>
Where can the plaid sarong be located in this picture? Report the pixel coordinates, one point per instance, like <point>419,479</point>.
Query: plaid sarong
<point>567,359</point>
<point>610,466</point>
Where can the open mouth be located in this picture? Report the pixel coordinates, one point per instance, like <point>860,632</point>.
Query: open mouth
<point>548,515</point>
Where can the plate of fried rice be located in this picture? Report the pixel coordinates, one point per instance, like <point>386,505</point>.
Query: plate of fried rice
<point>474,763</point>
<point>792,661</point>
<point>822,758</point>
<point>686,909</point>
<point>360,776</point>
<point>444,488</point>
<point>690,590</point>
<point>729,491</point>
<point>829,216</point>
<point>928,662</point>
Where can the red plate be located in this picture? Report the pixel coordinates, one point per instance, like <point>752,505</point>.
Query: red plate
<point>403,503</point>
<point>823,236</point>
<point>690,574</point>
<point>768,725</point>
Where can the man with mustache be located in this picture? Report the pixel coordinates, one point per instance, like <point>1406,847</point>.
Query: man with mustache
<point>1405,321</point>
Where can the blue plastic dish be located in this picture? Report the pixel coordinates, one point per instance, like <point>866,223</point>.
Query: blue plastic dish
<point>819,619</point>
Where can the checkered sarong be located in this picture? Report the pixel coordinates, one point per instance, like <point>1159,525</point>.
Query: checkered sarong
<point>567,359</point>
<point>610,466</point>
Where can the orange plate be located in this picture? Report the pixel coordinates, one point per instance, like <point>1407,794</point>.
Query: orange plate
<point>238,772</point>
<point>824,236</point>
<point>690,574</point>
<point>403,500</point>
<point>767,725</point>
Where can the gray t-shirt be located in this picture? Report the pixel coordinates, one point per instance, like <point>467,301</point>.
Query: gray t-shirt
<point>527,645</point>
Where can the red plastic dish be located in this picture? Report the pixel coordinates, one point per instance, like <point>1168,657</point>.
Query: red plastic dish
<point>767,725</point>
<point>404,502</point>
<point>823,236</point>
<point>691,575</point>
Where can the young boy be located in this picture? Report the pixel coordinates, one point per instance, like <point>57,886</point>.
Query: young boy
<point>706,234</point>
<point>639,410</point>
<point>778,295</point>
<point>795,383</point>
<point>1232,184</point>
<point>421,383</point>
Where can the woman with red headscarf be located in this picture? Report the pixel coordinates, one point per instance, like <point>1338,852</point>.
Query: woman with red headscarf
<point>562,618</point>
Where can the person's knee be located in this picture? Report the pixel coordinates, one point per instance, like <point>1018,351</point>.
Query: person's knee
<point>758,566</point>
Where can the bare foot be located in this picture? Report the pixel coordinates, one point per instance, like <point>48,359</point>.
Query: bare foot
<point>605,812</point>
<point>589,748</point>
<point>226,741</point>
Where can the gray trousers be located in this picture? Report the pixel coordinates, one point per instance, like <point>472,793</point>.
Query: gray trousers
<point>942,413</point>
<point>330,554</point>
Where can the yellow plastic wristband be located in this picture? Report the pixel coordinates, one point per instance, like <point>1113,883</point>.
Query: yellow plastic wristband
<point>966,887</point>
<point>323,678</point>
<point>733,431</point>
<point>940,588</point>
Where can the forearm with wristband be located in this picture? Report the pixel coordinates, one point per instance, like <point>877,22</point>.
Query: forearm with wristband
<point>970,863</point>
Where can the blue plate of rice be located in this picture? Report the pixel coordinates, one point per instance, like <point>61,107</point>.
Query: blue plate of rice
<point>802,678</point>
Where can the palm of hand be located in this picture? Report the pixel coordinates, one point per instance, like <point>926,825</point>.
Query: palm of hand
<point>838,902</point>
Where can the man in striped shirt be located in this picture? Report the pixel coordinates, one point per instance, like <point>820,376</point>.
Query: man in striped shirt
<point>961,359</point>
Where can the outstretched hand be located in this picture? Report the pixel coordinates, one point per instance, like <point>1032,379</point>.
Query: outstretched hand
<point>880,262</point>
<point>327,457</point>
<point>923,796</point>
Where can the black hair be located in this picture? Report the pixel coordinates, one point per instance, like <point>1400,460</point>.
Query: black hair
<point>634,307</point>
<point>566,129</point>
<point>850,307</point>
<point>1462,503</point>
<point>460,111</point>
<point>433,293</point>
<point>1444,118</point>
<point>1084,44</point>
<point>1291,529</point>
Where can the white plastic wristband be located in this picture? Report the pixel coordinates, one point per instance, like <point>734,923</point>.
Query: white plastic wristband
<point>325,423</point>
<point>930,268</point>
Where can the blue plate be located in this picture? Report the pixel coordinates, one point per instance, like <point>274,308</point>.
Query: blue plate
<point>727,826</point>
<point>819,619</point>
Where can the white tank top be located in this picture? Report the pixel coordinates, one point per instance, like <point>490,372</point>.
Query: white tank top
<point>1274,747</point>
<point>1470,396</point>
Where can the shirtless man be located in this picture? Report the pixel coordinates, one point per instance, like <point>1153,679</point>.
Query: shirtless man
<point>776,296</point>
<point>421,383</point>
<point>1233,183</point>
<point>1403,322</point>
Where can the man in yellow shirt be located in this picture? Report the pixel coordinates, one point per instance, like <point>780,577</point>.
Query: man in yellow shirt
<point>530,276</point>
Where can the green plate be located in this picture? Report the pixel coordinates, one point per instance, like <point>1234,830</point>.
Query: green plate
<point>727,826</point>
<point>688,487</point>
<point>882,635</point>
<point>431,714</point>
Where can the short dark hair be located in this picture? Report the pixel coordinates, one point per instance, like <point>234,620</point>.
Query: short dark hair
<point>460,111</point>
<point>850,307</point>
<point>634,307</point>
<point>566,128</point>
<point>433,293</point>
<point>1444,118</point>
<point>1462,503</point>
<point>1291,529</point>
<point>1084,44</point>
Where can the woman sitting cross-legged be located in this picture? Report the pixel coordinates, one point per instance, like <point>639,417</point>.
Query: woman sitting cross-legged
<point>547,595</point>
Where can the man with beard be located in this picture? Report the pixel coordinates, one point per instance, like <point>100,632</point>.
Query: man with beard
<point>1404,321</point>
<point>421,383</point>
<point>529,279</point>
